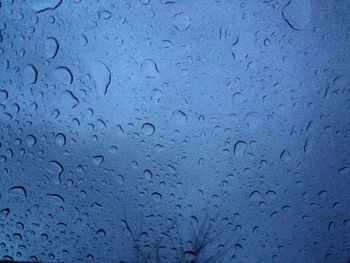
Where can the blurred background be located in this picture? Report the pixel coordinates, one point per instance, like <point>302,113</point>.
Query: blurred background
<point>175,130</point>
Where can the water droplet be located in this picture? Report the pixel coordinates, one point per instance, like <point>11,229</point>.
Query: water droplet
<point>148,129</point>
<point>55,170</point>
<point>101,232</point>
<point>21,190</point>
<point>4,212</point>
<point>47,5</point>
<point>343,170</point>
<point>102,76</point>
<point>56,197</point>
<point>157,197</point>
<point>3,95</point>
<point>120,179</point>
<point>149,68</point>
<point>30,74</point>
<point>105,15</point>
<point>255,195</point>
<point>179,117</point>
<point>70,99</point>
<point>64,75</point>
<point>190,256</point>
<point>285,156</point>
<point>31,140</point>
<point>113,149</point>
<point>240,148</point>
<point>60,139</point>
<point>182,21</point>
<point>147,174</point>
<point>51,47</point>
<point>297,14</point>
<point>98,159</point>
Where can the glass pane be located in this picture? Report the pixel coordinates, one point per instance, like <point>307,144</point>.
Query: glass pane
<point>174,131</point>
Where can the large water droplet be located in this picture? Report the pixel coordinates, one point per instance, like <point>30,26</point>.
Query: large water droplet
<point>101,75</point>
<point>42,6</point>
<point>297,14</point>
<point>19,190</point>
<point>55,170</point>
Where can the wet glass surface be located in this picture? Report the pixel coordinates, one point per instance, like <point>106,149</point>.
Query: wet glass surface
<point>175,131</point>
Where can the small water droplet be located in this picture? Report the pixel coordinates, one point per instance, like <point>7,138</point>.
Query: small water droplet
<point>343,170</point>
<point>55,170</point>
<point>149,68</point>
<point>182,21</point>
<point>51,47</point>
<point>98,159</point>
<point>30,74</point>
<point>179,117</point>
<point>147,174</point>
<point>148,129</point>
<point>31,140</point>
<point>285,156</point>
<point>240,148</point>
<point>157,197</point>
<point>64,75</point>
<point>60,139</point>
<point>255,195</point>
